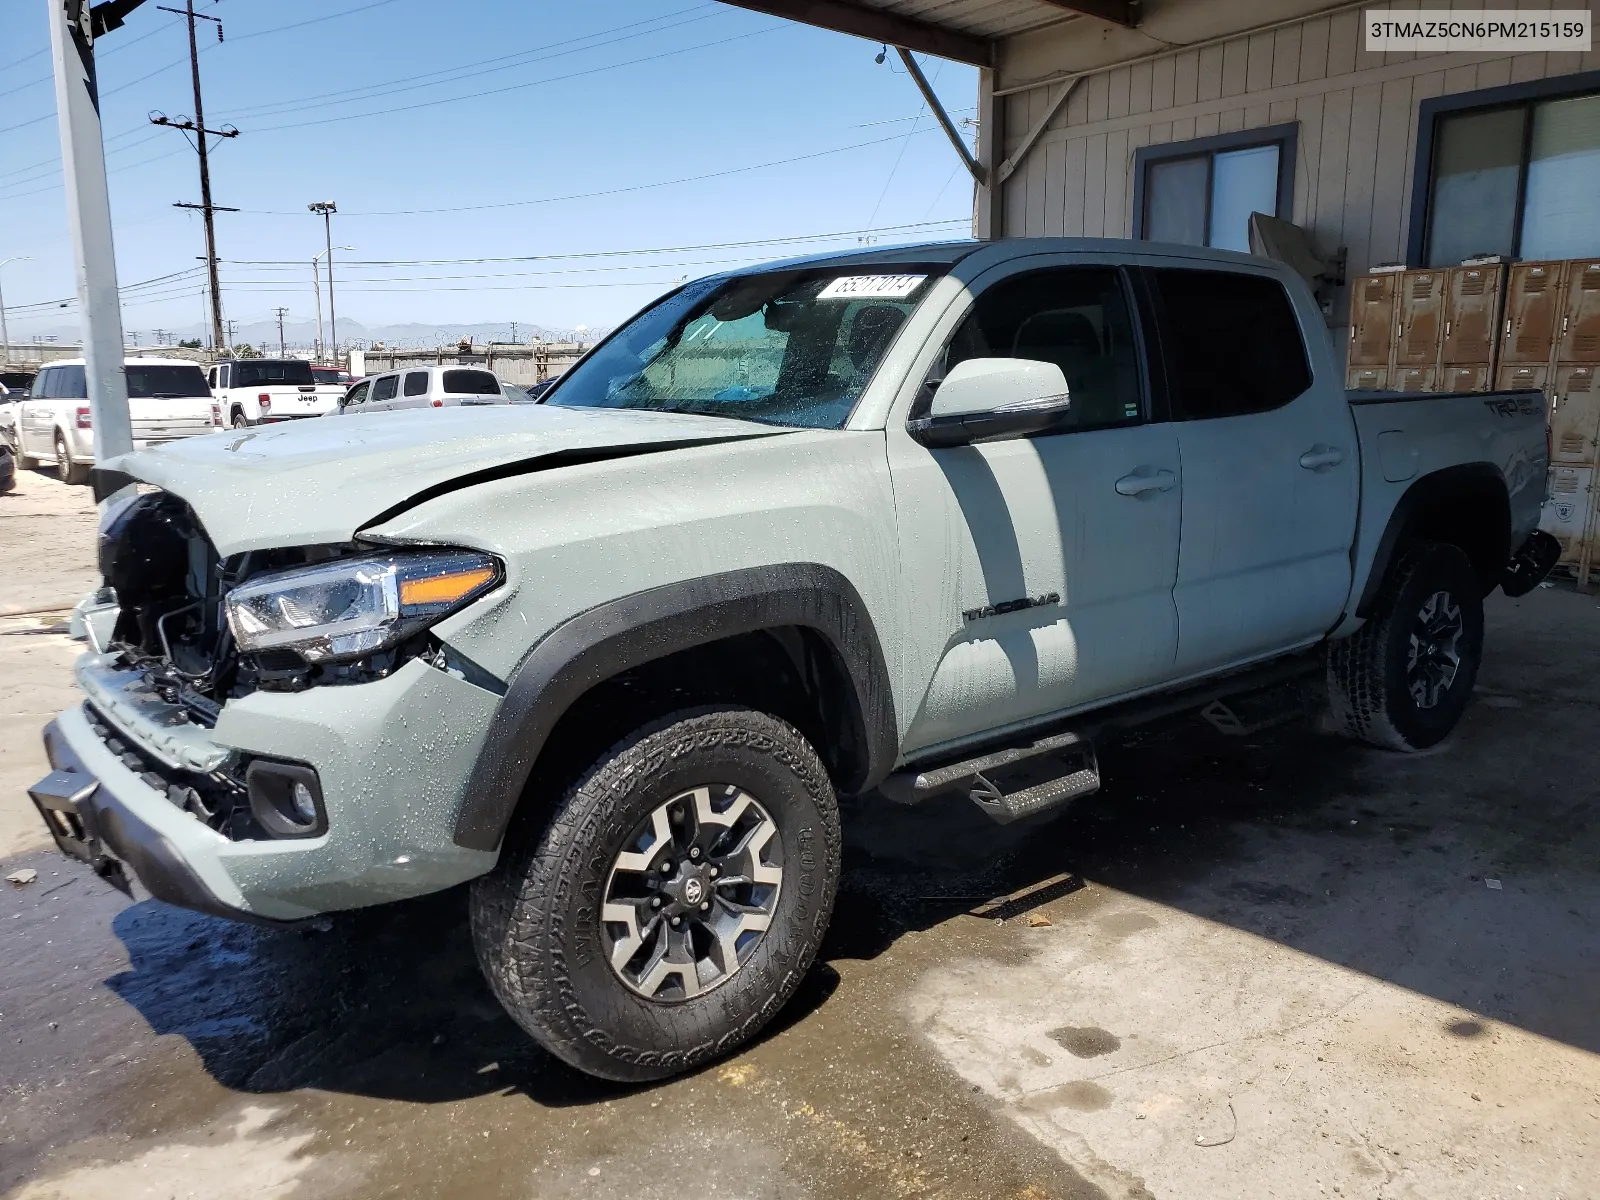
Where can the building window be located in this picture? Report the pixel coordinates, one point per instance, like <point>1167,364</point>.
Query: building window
<point>1512,170</point>
<point>1202,192</point>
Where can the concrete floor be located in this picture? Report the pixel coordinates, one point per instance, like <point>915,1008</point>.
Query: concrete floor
<point>1271,967</point>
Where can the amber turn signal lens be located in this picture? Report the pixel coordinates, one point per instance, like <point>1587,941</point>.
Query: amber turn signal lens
<point>443,589</point>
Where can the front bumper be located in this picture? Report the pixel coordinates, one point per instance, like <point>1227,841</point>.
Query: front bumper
<point>90,822</point>
<point>393,758</point>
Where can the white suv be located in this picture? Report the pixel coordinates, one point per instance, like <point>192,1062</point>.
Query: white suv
<point>424,387</point>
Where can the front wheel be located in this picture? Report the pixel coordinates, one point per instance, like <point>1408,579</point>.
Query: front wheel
<point>1404,678</point>
<point>67,470</point>
<point>672,903</point>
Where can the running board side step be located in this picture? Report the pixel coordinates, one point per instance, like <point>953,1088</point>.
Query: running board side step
<point>1009,784</point>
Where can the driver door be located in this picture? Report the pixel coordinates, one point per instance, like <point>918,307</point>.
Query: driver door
<point>1038,571</point>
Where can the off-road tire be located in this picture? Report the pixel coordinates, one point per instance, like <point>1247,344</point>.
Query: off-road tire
<point>1368,691</point>
<point>67,470</point>
<point>239,420</point>
<point>536,917</point>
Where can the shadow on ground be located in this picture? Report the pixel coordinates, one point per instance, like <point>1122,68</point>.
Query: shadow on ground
<point>1322,846</point>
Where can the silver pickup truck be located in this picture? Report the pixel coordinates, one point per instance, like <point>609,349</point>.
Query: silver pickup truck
<point>895,522</point>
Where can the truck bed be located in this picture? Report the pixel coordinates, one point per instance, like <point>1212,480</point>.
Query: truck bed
<point>1407,435</point>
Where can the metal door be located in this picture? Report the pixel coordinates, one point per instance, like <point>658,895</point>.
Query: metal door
<point>1367,379</point>
<point>1421,318</point>
<point>1371,321</point>
<point>1415,379</point>
<point>1466,378</point>
<point>1471,315</point>
<point>1533,312</point>
<point>1515,377</point>
<point>1575,421</point>
<point>1580,322</point>
<point>1037,571</point>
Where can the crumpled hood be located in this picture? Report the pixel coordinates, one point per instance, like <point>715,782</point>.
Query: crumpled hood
<point>320,480</point>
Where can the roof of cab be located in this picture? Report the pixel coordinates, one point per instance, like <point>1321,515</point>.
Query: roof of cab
<point>149,359</point>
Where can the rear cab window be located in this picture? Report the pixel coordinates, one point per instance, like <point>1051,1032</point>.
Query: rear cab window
<point>269,372</point>
<point>470,383</point>
<point>1231,342</point>
<point>385,388</point>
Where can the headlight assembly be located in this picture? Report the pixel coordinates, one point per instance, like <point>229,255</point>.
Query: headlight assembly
<point>345,610</point>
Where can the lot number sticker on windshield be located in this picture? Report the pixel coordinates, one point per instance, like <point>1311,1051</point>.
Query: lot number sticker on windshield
<point>871,287</point>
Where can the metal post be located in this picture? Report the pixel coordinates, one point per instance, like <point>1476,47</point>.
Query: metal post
<point>5,334</point>
<point>89,215</point>
<point>206,210</point>
<point>327,208</point>
<point>282,352</point>
<point>316,284</point>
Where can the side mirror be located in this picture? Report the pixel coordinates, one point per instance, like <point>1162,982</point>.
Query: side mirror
<point>984,399</point>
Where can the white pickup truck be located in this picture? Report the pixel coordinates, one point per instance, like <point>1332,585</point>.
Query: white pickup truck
<point>259,391</point>
<point>167,399</point>
<point>888,524</point>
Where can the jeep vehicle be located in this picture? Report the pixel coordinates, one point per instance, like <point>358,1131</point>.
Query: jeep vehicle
<point>258,391</point>
<point>885,523</point>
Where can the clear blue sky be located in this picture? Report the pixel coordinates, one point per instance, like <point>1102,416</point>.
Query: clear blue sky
<point>592,98</point>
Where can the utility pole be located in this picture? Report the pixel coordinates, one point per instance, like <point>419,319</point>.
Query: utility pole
<point>282,352</point>
<point>327,208</point>
<point>232,325</point>
<point>5,334</point>
<point>316,286</point>
<point>198,125</point>
<point>73,30</point>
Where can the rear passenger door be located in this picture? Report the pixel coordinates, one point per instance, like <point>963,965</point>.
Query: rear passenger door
<point>381,398</point>
<point>1270,468</point>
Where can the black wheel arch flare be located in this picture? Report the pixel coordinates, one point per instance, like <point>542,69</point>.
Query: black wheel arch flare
<point>588,649</point>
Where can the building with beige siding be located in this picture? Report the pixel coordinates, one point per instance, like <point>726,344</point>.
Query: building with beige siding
<point>1175,118</point>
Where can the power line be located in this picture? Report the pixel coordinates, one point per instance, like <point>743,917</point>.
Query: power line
<point>537,54</point>
<point>786,239</point>
<point>637,187</point>
<point>515,87</point>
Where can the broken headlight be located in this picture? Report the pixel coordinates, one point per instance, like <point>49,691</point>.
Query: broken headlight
<point>345,610</point>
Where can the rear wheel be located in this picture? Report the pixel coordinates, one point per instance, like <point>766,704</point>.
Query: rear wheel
<point>674,900</point>
<point>1404,678</point>
<point>240,421</point>
<point>67,470</point>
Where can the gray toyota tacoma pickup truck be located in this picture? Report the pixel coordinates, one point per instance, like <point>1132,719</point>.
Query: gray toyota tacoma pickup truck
<point>894,522</point>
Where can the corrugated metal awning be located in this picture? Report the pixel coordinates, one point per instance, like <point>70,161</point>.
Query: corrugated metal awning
<point>964,30</point>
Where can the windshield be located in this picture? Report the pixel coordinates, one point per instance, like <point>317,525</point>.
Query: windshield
<point>256,372</point>
<point>783,347</point>
<point>149,382</point>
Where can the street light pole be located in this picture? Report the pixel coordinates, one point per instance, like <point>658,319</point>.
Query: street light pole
<point>5,334</point>
<point>73,29</point>
<point>327,208</point>
<point>316,285</point>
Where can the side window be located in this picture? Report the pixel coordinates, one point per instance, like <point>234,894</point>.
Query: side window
<point>385,387</point>
<point>42,385</point>
<point>416,384</point>
<point>225,373</point>
<point>71,384</point>
<point>1231,342</point>
<point>211,377</point>
<point>1074,317</point>
<point>358,395</point>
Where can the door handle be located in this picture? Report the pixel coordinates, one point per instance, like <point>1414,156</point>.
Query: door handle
<point>1321,456</point>
<point>1137,485</point>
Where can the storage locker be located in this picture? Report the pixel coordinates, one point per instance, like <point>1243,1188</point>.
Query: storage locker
<point>1533,312</point>
<point>1369,379</point>
<point>1464,378</point>
<point>1371,320</point>
<point>1580,320</point>
<point>1420,318</point>
<point>1471,315</point>
<point>1575,421</point>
